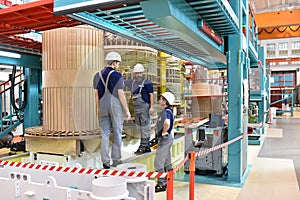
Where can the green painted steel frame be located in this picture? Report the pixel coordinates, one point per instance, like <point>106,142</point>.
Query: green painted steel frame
<point>148,23</point>
<point>33,79</point>
<point>26,60</point>
<point>290,96</point>
<point>235,100</point>
<point>263,104</point>
<point>33,72</point>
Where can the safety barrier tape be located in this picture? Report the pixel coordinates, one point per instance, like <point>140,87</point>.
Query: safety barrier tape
<point>103,172</point>
<point>107,172</point>
<point>206,151</point>
<point>180,164</point>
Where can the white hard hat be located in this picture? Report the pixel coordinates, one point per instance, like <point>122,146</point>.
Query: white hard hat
<point>138,68</point>
<point>111,56</point>
<point>169,97</point>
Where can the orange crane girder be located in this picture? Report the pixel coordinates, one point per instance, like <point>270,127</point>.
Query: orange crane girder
<point>278,19</point>
<point>280,24</point>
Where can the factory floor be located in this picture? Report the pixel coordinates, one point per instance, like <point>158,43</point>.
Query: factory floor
<point>274,168</point>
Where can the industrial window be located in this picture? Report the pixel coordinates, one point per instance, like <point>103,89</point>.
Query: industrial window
<point>271,46</point>
<point>295,45</point>
<point>295,48</point>
<point>283,49</point>
<point>283,46</point>
<point>283,52</point>
<point>295,51</point>
<point>270,53</point>
<point>271,50</point>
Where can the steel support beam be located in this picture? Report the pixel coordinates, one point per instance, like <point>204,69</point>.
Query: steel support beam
<point>33,82</point>
<point>181,19</point>
<point>73,6</point>
<point>262,105</point>
<point>235,101</point>
<point>26,60</point>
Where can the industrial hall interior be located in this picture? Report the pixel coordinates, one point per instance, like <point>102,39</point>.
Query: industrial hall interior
<point>149,99</point>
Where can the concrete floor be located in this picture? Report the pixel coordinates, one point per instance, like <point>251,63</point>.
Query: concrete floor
<point>274,173</point>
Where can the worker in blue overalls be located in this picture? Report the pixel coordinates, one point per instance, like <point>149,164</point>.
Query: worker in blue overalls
<point>110,100</point>
<point>165,138</point>
<point>143,100</point>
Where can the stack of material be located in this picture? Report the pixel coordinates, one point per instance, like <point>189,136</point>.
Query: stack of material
<point>205,89</point>
<point>208,99</point>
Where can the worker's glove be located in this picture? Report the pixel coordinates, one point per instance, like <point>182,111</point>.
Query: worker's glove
<point>153,143</point>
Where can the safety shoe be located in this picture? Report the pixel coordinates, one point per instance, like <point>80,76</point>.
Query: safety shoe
<point>142,149</point>
<point>116,163</point>
<point>160,188</point>
<point>18,146</point>
<point>106,166</point>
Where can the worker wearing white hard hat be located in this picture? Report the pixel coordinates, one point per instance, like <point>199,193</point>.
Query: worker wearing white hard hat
<point>113,56</point>
<point>169,97</point>
<point>138,68</point>
<point>110,99</point>
<point>164,138</point>
<point>143,103</point>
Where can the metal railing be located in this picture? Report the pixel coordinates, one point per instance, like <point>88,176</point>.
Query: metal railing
<point>9,120</point>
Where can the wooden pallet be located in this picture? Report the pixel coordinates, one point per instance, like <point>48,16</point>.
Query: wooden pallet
<point>60,142</point>
<point>38,131</point>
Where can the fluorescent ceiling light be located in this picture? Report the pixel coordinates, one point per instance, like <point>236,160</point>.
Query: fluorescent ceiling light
<point>81,4</point>
<point>32,35</point>
<point>10,54</point>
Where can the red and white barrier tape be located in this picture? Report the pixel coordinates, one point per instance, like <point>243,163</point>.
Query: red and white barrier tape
<point>180,164</point>
<point>104,172</point>
<point>206,151</point>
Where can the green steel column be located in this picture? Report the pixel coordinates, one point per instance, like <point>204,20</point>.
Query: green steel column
<point>235,111</point>
<point>267,88</point>
<point>245,63</point>
<point>262,105</point>
<point>235,99</point>
<point>32,77</point>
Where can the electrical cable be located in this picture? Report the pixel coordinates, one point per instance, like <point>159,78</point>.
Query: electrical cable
<point>279,29</point>
<point>12,78</point>
<point>290,27</point>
